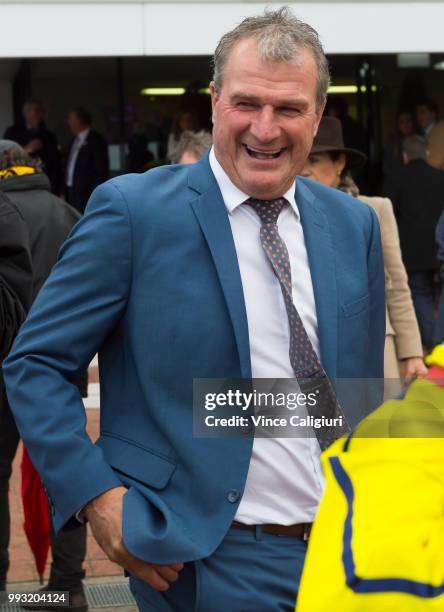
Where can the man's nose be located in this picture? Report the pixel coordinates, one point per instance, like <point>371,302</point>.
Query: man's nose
<point>265,127</point>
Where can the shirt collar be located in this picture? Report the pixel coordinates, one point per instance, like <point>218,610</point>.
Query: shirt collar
<point>233,196</point>
<point>83,135</point>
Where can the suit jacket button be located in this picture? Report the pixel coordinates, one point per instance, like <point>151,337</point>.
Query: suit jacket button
<point>233,496</point>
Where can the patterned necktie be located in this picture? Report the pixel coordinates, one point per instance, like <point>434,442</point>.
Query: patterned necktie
<point>303,358</point>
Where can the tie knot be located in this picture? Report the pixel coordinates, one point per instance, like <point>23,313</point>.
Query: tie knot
<point>268,210</point>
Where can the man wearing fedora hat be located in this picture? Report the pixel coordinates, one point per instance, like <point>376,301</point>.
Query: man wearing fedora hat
<point>329,163</point>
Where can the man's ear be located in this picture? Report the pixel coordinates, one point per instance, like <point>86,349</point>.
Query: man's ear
<point>214,98</point>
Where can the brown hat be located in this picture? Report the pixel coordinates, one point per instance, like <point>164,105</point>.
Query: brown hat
<point>329,139</point>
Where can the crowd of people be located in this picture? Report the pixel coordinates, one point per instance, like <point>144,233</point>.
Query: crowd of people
<point>252,254</point>
<point>86,165</point>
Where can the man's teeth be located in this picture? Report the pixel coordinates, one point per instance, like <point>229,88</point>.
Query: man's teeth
<point>263,154</point>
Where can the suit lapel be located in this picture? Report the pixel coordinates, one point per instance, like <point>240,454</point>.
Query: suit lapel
<point>323,273</point>
<point>212,216</point>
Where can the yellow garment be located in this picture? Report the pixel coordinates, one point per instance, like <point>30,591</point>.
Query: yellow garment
<point>378,541</point>
<point>436,357</point>
<point>16,171</point>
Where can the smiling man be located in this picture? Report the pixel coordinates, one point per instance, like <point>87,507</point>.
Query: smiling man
<point>168,277</point>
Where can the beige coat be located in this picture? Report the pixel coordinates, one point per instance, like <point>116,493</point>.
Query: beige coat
<point>402,332</point>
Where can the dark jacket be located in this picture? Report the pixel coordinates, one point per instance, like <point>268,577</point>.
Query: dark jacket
<point>15,273</point>
<point>440,243</point>
<point>417,193</point>
<point>90,170</point>
<point>49,153</point>
<point>48,219</point>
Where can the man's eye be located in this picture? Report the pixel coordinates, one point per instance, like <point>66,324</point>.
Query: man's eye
<point>246,105</point>
<point>287,110</point>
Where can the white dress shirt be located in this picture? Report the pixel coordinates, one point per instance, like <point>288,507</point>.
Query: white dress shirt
<point>73,153</point>
<point>285,479</point>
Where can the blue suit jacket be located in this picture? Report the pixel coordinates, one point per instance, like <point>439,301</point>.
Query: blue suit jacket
<point>149,279</point>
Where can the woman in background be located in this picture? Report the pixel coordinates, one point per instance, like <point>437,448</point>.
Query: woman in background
<point>329,163</point>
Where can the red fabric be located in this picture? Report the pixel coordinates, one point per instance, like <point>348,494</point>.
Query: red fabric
<point>436,373</point>
<point>35,510</point>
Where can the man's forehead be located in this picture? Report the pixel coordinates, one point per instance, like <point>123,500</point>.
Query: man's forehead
<point>244,60</point>
<point>247,75</point>
<point>249,47</point>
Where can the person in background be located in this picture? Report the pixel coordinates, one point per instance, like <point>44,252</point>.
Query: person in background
<point>435,147</point>
<point>377,539</point>
<point>416,191</point>
<point>405,127</point>
<point>329,163</point>
<point>87,165</point>
<point>138,156</point>
<point>352,132</point>
<point>183,121</point>
<point>191,147</point>
<point>439,333</point>
<point>48,221</point>
<point>33,135</point>
<point>427,115</point>
<point>15,300</point>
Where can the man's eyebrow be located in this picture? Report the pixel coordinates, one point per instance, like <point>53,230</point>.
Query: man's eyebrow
<point>239,95</point>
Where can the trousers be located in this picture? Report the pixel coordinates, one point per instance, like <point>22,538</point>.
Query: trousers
<point>422,286</point>
<point>68,548</point>
<point>248,572</point>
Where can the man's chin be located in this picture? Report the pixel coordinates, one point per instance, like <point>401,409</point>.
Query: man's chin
<point>266,190</point>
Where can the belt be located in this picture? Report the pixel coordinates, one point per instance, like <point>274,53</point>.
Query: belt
<point>300,530</point>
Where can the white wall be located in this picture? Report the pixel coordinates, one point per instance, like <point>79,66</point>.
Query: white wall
<point>6,113</point>
<point>120,28</point>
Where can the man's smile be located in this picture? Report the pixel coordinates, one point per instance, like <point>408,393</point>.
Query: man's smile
<point>263,154</point>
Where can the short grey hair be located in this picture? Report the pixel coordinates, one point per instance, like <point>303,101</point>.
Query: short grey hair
<point>11,147</point>
<point>415,147</point>
<point>12,154</point>
<point>280,36</point>
<point>191,142</point>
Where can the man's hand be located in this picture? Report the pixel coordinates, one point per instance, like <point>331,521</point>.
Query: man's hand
<point>104,513</point>
<point>34,145</point>
<point>415,368</point>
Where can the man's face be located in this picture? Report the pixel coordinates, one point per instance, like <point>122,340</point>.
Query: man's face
<point>74,123</point>
<point>32,114</point>
<point>264,119</point>
<point>424,116</point>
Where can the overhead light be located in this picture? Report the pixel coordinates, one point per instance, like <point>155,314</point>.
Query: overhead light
<point>163,91</point>
<point>413,60</point>
<point>438,66</point>
<point>349,89</point>
<point>342,89</point>
<point>179,91</point>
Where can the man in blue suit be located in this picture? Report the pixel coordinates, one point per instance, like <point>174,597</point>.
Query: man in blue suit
<point>168,277</point>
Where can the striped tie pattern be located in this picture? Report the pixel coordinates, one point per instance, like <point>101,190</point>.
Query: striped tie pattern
<point>303,358</point>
